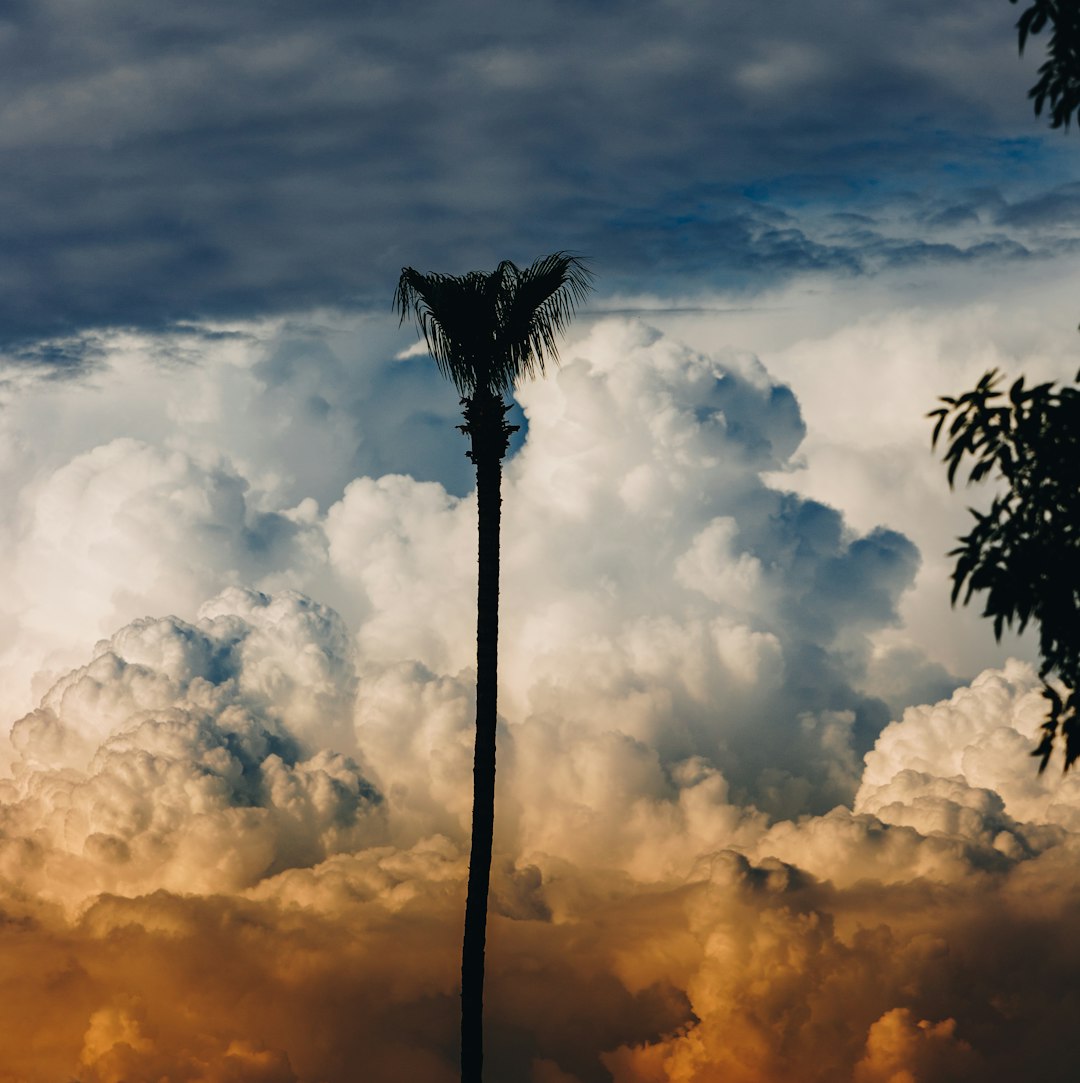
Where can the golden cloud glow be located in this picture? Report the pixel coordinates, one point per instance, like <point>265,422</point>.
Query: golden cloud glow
<point>232,845</point>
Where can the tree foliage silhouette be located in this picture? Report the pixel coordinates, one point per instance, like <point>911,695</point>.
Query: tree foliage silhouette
<point>1024,553</point>
<point>1058,84</point>
<point>484,332</point>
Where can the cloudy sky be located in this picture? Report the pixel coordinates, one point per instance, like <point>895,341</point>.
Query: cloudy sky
<point>766,812</point>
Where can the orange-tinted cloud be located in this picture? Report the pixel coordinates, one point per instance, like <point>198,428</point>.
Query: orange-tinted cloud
<point>233,846</point>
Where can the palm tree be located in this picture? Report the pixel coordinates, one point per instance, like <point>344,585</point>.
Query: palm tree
<point>484,332</point>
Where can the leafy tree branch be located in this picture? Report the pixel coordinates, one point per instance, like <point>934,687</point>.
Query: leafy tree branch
<point>1023,555</point>
<point>1058,85</point>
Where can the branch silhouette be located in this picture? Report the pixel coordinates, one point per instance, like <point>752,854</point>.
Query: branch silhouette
<point>1058,85</point>
<point>1023,555</point>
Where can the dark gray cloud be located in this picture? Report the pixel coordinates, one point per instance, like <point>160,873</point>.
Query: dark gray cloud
<point>1055,211</point>
<point>163,164</point>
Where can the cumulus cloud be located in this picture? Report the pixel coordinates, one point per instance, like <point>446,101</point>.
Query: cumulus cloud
<point>258,808</point>
<point>751,967</point>
<point>191,757</point>
<point>898,1050</point>
<point>963,765</point>
<point>188,462</point>
<point>867,362</point>
<point>734,593</point>
<point>738,602</point>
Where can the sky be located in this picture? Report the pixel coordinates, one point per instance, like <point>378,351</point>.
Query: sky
<point>765,810</point>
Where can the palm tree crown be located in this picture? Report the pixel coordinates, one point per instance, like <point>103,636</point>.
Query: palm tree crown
<point>484,331</point>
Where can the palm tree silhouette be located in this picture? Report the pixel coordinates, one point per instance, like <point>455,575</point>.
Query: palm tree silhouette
<point>484,332</point>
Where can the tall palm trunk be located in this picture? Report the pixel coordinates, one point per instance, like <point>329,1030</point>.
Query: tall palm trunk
<point>485,424</point>
<point>485,332</point>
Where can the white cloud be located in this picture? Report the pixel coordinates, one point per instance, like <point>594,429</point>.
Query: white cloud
<point>867,361</point>
<point>270,790</point>
<point>192,757</point>
<point>968,760</point>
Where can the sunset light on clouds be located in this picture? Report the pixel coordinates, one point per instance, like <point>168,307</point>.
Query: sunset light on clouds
<point>766,811</point>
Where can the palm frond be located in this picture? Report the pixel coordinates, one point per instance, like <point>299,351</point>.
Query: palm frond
<point>485,331</point>
<point>537,311</point>
<point>451,313</point>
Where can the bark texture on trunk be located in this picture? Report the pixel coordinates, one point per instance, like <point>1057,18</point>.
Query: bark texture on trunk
<point>485,424</point>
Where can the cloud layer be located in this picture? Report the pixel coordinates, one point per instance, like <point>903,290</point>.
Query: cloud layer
<point>233,840</point>
<point>646,929</point>
<point>738,605</point>
<point>238,161</point>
